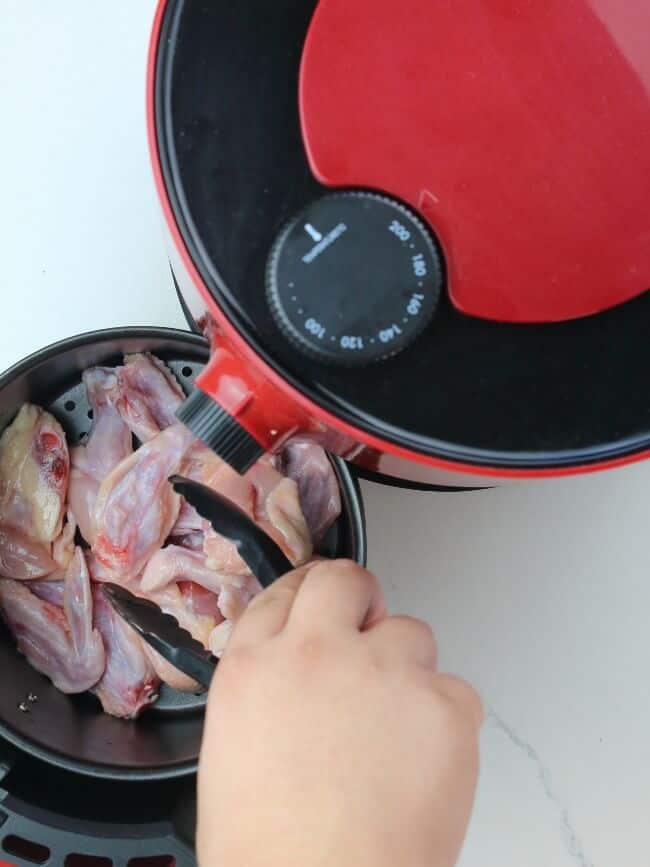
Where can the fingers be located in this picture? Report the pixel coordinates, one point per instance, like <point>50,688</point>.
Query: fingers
<point>405,638</point>
<point>322,594</point>
<point>267,614</point>
<point>338,594</point>
<point>463,696</point>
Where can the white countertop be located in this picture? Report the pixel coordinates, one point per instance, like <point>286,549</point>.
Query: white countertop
<point>539,593</point>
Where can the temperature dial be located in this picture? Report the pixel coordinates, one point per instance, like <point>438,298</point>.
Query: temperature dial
<point>354,278</point>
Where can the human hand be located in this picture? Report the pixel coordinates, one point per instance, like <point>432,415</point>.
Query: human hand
<point>330,738</point>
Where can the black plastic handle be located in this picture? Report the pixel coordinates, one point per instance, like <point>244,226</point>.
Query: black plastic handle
<point>214,426</point>
<point>54,838</point>
<point>48,838</point>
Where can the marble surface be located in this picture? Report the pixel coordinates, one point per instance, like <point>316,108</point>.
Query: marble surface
<point>539,592</point>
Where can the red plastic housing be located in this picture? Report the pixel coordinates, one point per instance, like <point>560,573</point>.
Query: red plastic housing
<point>262,401</point>
<point>520,131</point>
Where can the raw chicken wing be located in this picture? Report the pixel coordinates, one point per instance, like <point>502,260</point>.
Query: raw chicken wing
<point>235,595</point>
<point>202,465</point>
<point>199,600</point>
<point>34,469</point>
<point>173,564</point>
<point>287,523</point>
<point>129,682</point>
<point>320,499</point>
<point>136,506</point>
<point>78,606</point>
<point>149,395</point>
<point>220,636</point>
<point>59,642</point>
<point>63,546</point>
<point>50,591</point>
<point>23,558</point>
<point>109,442</point>
<point>278,510</point>
<point>171,601</point>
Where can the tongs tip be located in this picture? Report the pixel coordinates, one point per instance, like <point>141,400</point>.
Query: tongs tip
<point>264,557</point>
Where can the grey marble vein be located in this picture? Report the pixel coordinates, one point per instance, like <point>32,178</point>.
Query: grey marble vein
<point>569,835</point>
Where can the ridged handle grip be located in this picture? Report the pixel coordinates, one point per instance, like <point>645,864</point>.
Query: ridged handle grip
<point>214,426</point>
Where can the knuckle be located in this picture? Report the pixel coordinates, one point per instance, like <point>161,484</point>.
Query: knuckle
<point>414,630</point>
<point>421,629</point>
<point>461,700</point>
<point>345,576</point>
<point>309,647</point>
<point>344,569</point>
<point>278,594</point>
<point>236,658</point>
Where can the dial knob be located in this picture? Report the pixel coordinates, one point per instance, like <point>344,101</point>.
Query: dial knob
<point>354,278</point>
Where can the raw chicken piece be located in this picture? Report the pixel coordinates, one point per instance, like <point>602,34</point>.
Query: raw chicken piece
<point>264,477</point>
<point>282,518</point>
<point>63,546</point>
<point>174,563</point>
<point>100,574</point>
<point>236,593</point>
<point>34,469</point>
<point>149,395</point>
<point>23,558</point>
<point>169,675</point>
<point>220,636</point>
<point>192,541</point>
<point>109,442</point>
<point>136,506</point>
<point>41,632</point>
<point>263,493</point>
<point>171,601</point>
<point>188,522</point>
<point>278,511</point>
<point>273,501</point>
<point>222,555</point>
<point>50,591</point>
<point>129,682</point>
<point>60,643</point>
<point>202,465</point>
<point>320,499</point>
<point>199,600</point>
<point>200,626</point>
<point>78,606</point>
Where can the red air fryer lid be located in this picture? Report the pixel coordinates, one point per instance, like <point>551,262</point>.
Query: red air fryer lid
<point>408,212</point>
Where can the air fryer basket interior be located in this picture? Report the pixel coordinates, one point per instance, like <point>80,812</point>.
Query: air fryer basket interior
<point>72,731</point>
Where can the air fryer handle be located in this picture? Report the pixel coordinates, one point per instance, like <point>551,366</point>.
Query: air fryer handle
<point>61,836</point>
<point>57,836</point>
<point>237,410</point>
<point>219,430</point>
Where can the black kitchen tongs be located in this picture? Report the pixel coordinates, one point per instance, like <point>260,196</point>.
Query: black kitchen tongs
<point>262,555</point>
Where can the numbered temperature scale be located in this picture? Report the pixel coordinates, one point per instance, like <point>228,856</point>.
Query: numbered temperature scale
<point>318,282</point>
<point>407,241</point>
